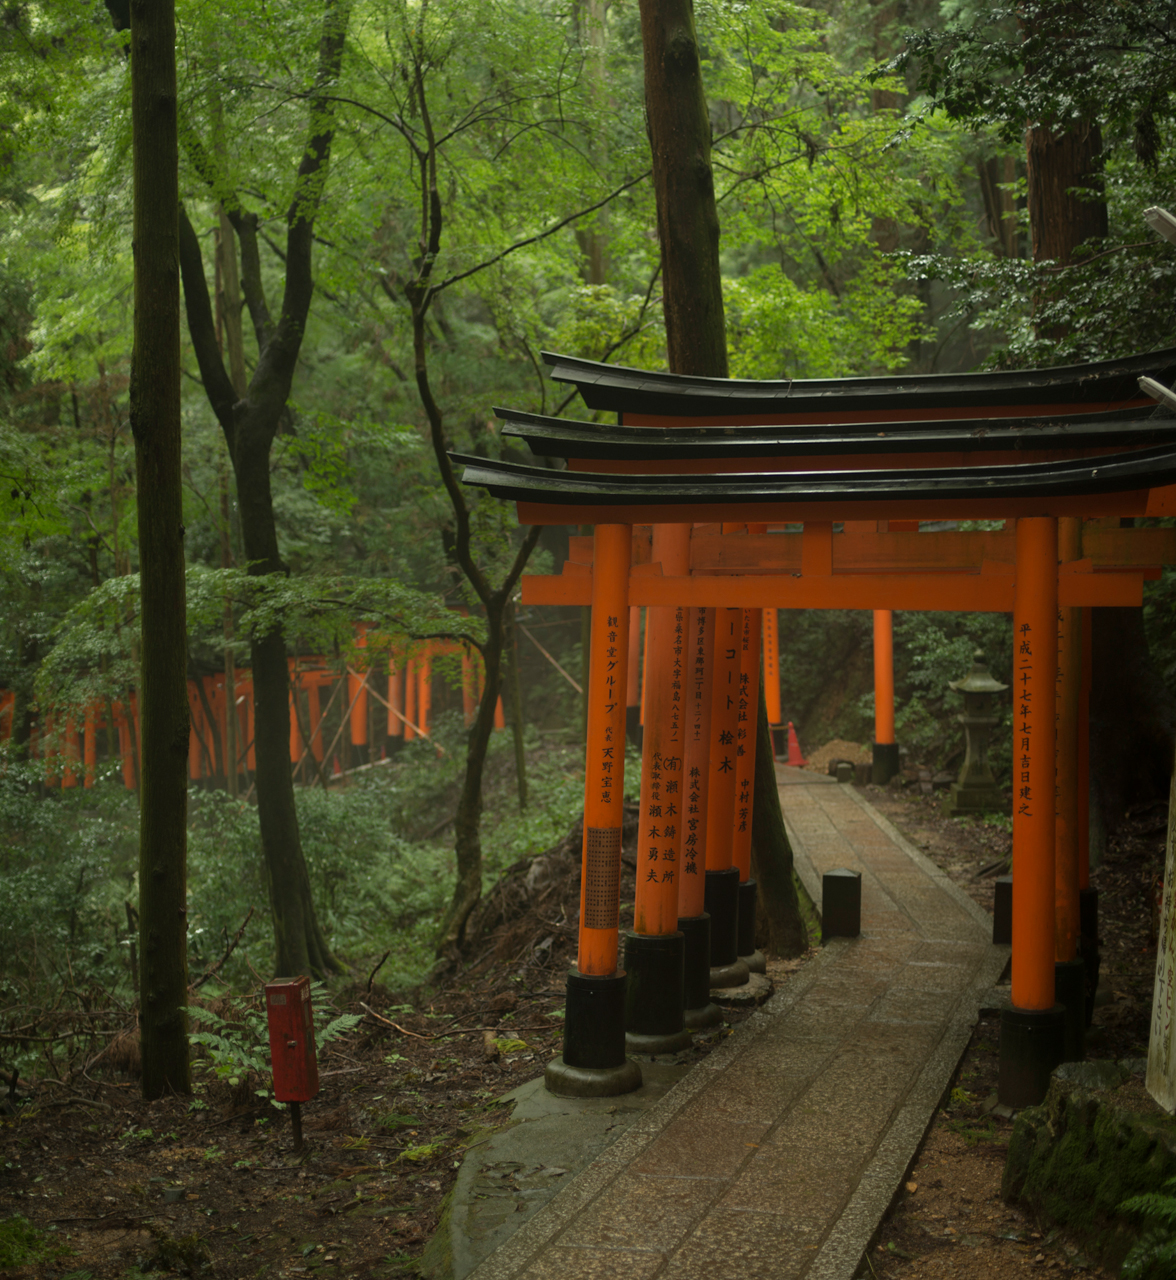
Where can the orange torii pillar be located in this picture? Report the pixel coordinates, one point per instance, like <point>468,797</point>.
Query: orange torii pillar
<point>125,746</point>
<point>1070,972</point>
<point>396,710</point>
<point>722,878</point>
<point>693,919</point>
<point>424,669</point>
<point>93,723</point>
<point>1087,896</point>
<point>297,746</point>
<point>745,748</point>
<point>314,683</point>
<point>70,754</point>
<point>771,644</point>
<point>655,953</point>
<point>411,686</point>
<point>633,721</point>
<point>1032,1030</point>
<point>593,1062</point>
<point>886,763</point>
<point>357,698</point>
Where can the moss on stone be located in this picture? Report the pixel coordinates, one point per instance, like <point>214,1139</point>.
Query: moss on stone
<point>1074,1159</point>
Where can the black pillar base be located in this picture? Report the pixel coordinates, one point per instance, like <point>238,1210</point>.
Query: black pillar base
<point>655,966</point>
<point>1002,912</point>
<point>886,763</point>
<point>841,904</point>
<point>1088,930</point>
<point>780,742</point>
<point>722,905</point>
<point>745,932</point>
<point>1031,1045</point>
<point>700,1010</point>
<point>593,1064</point>
<point>1070,988</point>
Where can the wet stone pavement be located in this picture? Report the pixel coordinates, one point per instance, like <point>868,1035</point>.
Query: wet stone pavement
<point>776,1156</point>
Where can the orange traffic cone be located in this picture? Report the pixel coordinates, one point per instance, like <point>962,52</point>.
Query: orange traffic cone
<point>794,757</point>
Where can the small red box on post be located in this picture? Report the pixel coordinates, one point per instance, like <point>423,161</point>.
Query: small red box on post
<point>291,1036</point>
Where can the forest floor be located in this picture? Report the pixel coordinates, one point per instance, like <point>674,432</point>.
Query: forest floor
<point>113,1188</point>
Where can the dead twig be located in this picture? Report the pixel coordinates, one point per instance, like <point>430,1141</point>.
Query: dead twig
<point>372,975</point>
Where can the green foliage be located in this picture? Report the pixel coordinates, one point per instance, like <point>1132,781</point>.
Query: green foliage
<point>1153,1257</point>
<point>21,1243</point>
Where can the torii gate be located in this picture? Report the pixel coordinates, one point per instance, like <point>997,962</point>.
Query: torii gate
<point>1088,451</point>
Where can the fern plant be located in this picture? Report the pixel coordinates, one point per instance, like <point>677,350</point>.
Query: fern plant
<point>1154,1255</point>
<point>239,1047</point>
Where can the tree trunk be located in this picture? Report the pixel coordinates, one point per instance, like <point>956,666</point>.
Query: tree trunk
<point>687,217</point>
<point>696,334</point>
<point>155,423</point>
<point>250,423</point>
<point>779,926</point>
<point>1059,161</point>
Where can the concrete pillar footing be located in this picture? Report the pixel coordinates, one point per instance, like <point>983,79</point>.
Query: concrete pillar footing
<point>729,975</point>
<point>705,1016</point>
<point>591,1082</point>
<point>756,962</point>
<point>635,1042</point>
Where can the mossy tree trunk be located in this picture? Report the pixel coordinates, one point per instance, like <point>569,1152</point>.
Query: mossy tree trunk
<point>163,681</point>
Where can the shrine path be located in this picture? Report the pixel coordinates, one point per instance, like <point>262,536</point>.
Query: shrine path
<point>777,1156</point>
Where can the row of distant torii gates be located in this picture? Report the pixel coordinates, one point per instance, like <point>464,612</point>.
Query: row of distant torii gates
<point>690,496</point>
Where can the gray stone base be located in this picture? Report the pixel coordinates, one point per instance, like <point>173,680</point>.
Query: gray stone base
<point>755,991</point>
<point>591,1082</point>
<point>729,975</point>
<point>674,1042</point>
<point>757,962</point>
<point>965,800</point>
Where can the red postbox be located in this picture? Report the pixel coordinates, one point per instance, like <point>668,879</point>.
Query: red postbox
<point>291,1037</point>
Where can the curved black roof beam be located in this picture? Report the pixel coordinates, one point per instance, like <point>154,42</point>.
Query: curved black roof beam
<point>563,438</point>
<point>1114,473</point>
<point>619,389</point>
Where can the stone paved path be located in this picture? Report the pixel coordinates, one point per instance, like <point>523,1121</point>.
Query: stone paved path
<point>778,1155</point>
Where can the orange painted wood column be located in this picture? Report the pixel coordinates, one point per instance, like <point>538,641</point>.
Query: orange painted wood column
<point>395,697</point>
<point>660,838</point>
<point>745,741</point>
<point>1069,972</point>
<point>1033,1029</point>
<point>357,698</point>
<point>411,687</point>
<point>1084,753</point>
<point>1034,664</point>
<point>883,676</point>
<point>722,774</point>
<point>633,691</point>
<point>604,761</point>
<point>70,755</point>
<point>771,645</point>
<point>425,691</point>
<point>698,685</point>
<point>1069,682</point>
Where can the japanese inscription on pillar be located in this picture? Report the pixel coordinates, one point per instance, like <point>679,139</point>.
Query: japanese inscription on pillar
<point>742,759</point>
<point>611,769</point>
<point>697,712</point>
<point>1023,692</point>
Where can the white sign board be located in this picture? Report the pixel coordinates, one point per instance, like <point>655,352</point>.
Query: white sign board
<point>1161,1053</point>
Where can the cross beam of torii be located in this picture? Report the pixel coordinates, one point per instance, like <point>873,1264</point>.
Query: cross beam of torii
<point>1032,448</point>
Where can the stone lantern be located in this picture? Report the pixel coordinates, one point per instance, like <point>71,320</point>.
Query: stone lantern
<point>976,789</point>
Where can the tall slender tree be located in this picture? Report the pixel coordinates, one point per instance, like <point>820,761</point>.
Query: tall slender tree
<point>696,341</point>
<point>155,422</point>
<point>250,424</point>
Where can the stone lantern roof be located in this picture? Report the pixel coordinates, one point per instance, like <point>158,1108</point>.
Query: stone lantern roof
<point>979,679</point>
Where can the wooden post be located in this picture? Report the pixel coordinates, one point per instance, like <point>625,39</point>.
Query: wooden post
<point>411,688</point>
<point>885,748</point>
<point>1032,1030</point>
<point>357,698</point>
<point>722,879</point>
<point>654,953</point>
<point>593,1060</point>
<point>395,697</point>
<point>1070,974</point>
<point>771,643</point>
<point>745,751</point>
